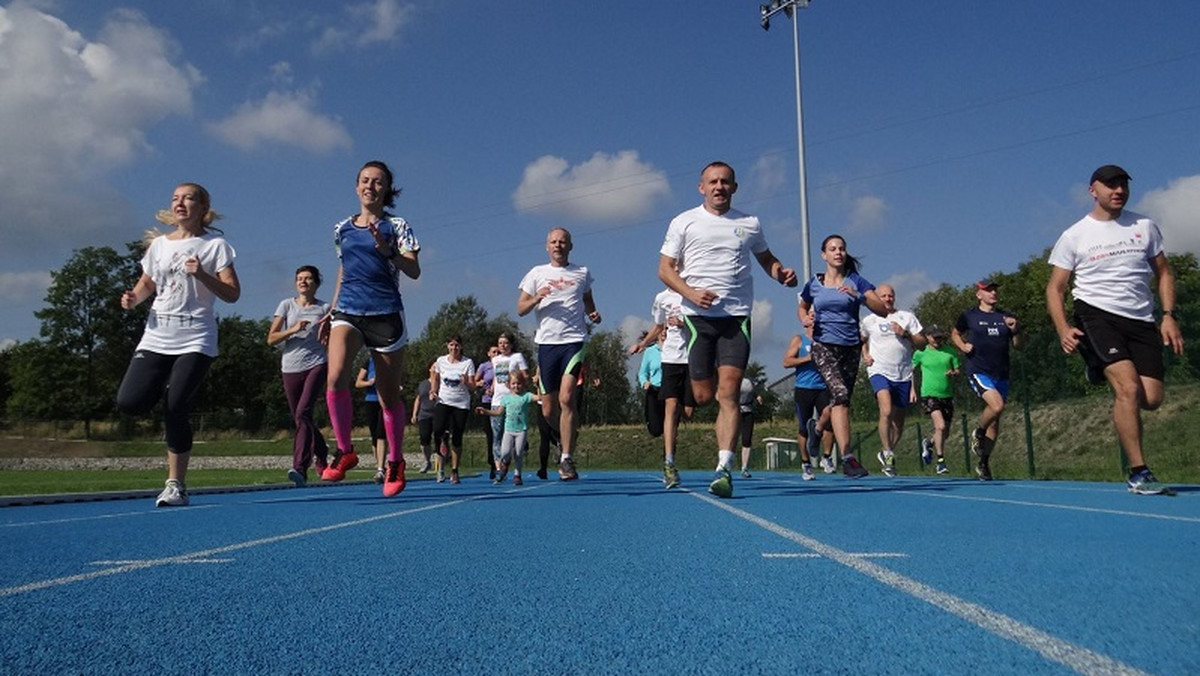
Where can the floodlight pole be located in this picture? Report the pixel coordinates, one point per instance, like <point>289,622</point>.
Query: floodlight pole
<point>792,8</point>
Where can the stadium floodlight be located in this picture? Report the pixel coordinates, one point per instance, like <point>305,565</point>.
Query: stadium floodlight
<point>791,8</point>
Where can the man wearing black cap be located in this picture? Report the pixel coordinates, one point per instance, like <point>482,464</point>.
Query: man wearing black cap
<point>984,334</point>
<point>1112,253</point>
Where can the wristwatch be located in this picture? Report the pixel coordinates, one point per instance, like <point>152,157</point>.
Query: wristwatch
<point>1168,313</point>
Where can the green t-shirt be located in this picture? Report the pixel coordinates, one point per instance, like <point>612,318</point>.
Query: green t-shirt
<point>516,411</point>
<point>934,362</point>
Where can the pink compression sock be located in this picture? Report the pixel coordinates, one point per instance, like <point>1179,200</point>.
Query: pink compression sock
<point>393,425</point>
<point>340,416</point>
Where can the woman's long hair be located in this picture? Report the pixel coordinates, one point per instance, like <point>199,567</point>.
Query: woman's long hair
<point>167,217</point>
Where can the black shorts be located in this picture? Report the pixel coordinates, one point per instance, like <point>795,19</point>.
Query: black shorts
<point>945,405</point>
<point>382,333</point>
<point>716,341</point>
<point>1109,338</point>
<point>675,384</point>
<point>556,362</point>
<point>808,403</point>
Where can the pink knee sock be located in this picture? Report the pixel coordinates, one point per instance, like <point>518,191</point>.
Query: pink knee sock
<point>393,426</point>
<point>340,416</point>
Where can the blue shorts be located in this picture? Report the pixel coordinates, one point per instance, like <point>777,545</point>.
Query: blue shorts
<point>555,362</point>
<point>982,382</point>
<point>900,390</point>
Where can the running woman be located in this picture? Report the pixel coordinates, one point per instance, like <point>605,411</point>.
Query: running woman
<point>185,270</point>
<point>374,248</point>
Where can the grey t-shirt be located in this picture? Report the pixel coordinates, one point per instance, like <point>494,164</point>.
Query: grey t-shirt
<point>302,351</point>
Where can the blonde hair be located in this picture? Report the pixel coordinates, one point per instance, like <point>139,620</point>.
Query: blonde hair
<point>166,217</point>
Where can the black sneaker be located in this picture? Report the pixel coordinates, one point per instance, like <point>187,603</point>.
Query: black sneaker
<point>984,472</point>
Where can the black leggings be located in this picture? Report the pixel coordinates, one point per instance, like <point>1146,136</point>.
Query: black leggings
<point>451,419</point>
<point>178,375</point>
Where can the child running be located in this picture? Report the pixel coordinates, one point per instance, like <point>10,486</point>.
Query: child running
<point>514,406</point>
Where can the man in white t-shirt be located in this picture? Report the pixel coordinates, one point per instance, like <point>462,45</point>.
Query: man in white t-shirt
<point>707,258</point>
<point>887,351</point>
<point>561,293</point>
<point>1113,253</point>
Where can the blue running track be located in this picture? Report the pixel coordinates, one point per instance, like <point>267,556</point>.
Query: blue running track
<point>610,574</point>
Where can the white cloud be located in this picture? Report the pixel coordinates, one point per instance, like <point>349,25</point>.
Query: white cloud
<point>366,24</point>
<point>866,214</point>
<point>282,118</point>
<point>769,173</point>
<point>72,108</point>
<point>1176,208</point>
<point>631,328</point>
<point>604,188</point>
<point>23,287</point>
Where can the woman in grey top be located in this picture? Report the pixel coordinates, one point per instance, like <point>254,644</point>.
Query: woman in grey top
<point>294,329</point>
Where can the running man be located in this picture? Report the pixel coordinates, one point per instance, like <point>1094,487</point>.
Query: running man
<point>561,294</point>
<point>984,335</point>
<point>936,364</point>
<point>1112,253</point>
<point>706,259</point>
<point>887,350</point>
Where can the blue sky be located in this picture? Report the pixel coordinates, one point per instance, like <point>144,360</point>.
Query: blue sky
<point>945,140</point>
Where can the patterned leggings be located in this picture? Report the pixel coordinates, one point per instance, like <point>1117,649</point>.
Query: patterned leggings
<point>838,366</point>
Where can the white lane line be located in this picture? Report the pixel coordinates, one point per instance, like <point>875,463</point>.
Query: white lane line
<point>810,555</point>
<point>77,519</point>
<point>1051,647</point>
<point>209,553</point>
<point>135,561</point>
<point>1053,505</point>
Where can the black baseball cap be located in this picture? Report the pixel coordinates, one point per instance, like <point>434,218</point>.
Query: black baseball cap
<point>986,284</point>
<point>935,331</point>
<point>1109,172</point>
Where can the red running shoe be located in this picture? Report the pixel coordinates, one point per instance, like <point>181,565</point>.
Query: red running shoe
<point>394,482</point>
<point>342,463</point>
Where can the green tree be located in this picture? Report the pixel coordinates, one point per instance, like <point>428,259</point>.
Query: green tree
<point>83,321</point>
<point>606,389</point>
<point>244,381</point>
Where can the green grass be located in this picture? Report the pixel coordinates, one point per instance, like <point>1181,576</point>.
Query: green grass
<point>1072,440</point>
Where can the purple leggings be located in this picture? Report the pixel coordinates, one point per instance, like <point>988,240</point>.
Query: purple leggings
<point>302,390</point>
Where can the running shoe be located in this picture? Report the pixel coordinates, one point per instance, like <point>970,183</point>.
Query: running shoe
<point>380,475</point>
<point>670,476</point>
<point>503,473</point>
<point>888,460</point>
<point>342,463</point>
<point>320,465</point>
<point>517,480</point>
<point>297,477</point>
<point>827,465</point>
<point>566,469</point>
<point>927,450</point>
<point>977,437</point>
<point>852,468</point>
<point>426,467</point>
<point>541,474</point>
<point>722,485</point>
<point>813,439</point>
<point>393,481</point>
<point>942,468</point>
<point>809,474</point>
<point>983,470</point>
<point>454,476</point>
<point>173,495</point>
<point>1145,483</point>
<point>745,473</point>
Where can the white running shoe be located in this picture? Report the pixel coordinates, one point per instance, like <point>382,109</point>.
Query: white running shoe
<point>174,495</point>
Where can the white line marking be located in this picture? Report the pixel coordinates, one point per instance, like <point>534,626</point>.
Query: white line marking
<point>135,561</point>
<point>121,515</point>
<point>810,555</point>
<point>208,553</point>
<point>1051,505</point>
<point>1051,647</point>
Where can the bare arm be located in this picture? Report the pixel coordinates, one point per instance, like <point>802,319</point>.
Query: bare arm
<point>277,334</point>
<point>1056,289</point>
<point>323,324</point>
<point>361,381</point>
<point>526,302</point>
<point>650,339</point>
<point>961,343</point>
<point>224,284</point>
<point>874,303</point>
<point>408,263</point>
<point>144,288</point>
<point>669,275</point>
<point>768,261</point>
<point>589,306</point>
<point>1171,335</point>
<point>792,358</point>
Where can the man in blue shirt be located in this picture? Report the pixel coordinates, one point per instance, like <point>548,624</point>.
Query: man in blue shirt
<point>984,335</point>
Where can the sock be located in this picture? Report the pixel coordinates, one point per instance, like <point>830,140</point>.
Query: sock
<point>340,416</point>
<point>670,459</point>
<point>393,426</point>
<point>1134,471</point>
<point>725,460</point>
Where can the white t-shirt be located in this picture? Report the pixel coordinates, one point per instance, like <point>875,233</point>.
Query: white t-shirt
<point>502,365</point>
<point>1111,262</point>
<point>304,350</point>
<point>560,315</point>
<point>716,253</point>
<point>668,305</point>
<point>452,387</point>
<point>181,318</point>
<point>892,355</point>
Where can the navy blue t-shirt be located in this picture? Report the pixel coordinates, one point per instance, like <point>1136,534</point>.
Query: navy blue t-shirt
<point>990,336</point>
